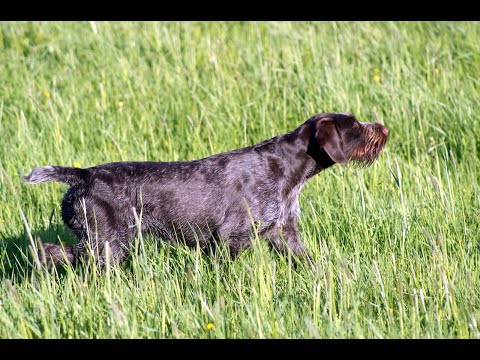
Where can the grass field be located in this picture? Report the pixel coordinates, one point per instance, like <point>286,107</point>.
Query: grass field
<point>396,245</point>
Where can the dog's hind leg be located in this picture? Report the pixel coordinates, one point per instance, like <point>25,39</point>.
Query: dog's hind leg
<point>94,245</point>
<point>103,250</point>
<point>56,254</point>
<point>104,236</point>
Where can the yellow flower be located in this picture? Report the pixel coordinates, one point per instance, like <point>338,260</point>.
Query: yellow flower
<point>77,164</point>
<point>376,78</point>
<point>120,104</point>
<point>436,71</point>
<point>210,326</point>
<point>46,93</point>
<point>376,70</point>
<point>390,309</point>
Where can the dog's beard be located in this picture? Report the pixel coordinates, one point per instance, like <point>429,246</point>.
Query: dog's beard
<point>365,154</point>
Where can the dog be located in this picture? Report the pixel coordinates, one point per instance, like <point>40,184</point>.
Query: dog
<point>224,197</point>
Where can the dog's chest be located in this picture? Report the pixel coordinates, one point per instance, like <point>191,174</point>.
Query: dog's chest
<point>288,206</point>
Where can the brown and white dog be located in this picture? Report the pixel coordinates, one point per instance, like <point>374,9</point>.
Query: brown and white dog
<point>205,201</point>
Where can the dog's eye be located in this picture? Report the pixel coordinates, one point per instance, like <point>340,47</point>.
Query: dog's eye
<point>354,124</point>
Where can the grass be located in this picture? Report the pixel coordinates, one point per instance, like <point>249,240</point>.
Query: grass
<point>396,245</point>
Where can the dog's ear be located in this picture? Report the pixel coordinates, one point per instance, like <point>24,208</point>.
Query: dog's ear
<point>328,138</point>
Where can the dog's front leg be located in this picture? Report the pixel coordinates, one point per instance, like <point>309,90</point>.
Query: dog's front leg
<point>287,238</point>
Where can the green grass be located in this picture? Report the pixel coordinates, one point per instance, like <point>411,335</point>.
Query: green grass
<point>396,245</point>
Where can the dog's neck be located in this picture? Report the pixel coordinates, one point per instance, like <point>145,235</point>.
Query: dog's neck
<point>315,151</point>
<point>305,157</point>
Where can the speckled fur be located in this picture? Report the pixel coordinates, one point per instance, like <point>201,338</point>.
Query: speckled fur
<point>204,201</point>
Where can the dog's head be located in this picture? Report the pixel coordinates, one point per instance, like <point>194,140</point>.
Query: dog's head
<point>346,139</point>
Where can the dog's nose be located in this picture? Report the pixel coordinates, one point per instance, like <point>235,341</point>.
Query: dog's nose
<point>385,130</point>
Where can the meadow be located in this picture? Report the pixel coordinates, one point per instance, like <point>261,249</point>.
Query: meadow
<point>396,246</point>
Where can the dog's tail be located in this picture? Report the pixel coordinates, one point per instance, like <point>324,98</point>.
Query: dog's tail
<point>68,175</point>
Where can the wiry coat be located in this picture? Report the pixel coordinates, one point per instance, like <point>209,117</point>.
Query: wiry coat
<point>208,200</point>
